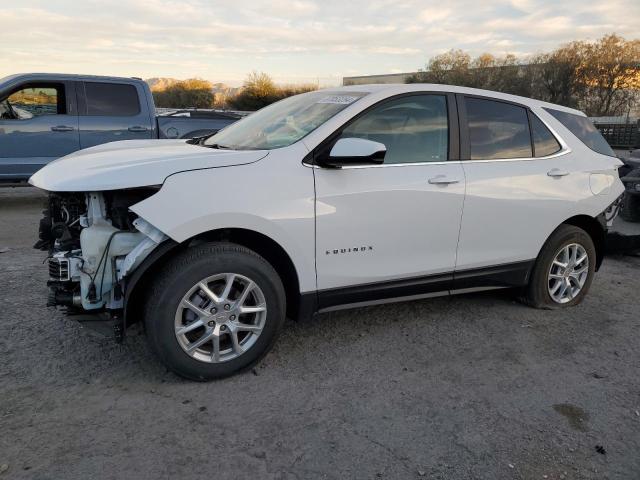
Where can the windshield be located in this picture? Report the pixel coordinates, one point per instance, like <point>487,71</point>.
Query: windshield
<point>283,123</point>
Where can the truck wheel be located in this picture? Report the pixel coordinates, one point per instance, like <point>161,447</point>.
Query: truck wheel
<point>563,271</point>
<point>214,310</point>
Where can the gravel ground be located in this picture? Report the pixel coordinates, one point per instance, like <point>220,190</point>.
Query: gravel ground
<point>473,386</point>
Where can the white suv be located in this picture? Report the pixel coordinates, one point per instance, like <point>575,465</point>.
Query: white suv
<point>325,200</point>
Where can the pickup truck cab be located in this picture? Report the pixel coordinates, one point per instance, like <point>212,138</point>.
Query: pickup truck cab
<point>45,116</point>
<point>330,199</point>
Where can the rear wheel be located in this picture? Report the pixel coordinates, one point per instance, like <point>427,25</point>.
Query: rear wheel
<point>563,271</point>
<point>214,310</point>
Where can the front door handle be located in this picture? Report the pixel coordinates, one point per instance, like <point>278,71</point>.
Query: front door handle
<point>138,128</point>
<point>557,172</point>
<point>62,128</point>
<point>443,180</point>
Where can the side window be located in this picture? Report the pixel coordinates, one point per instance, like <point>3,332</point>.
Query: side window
<point>497,130</point>
<point>584,129</point>
<point>414,129</point>
<point>34,101</point>
<point>111,99</point>
<point>544,143</point>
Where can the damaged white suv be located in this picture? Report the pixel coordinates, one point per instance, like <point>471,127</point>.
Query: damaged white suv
<point>326,200</point>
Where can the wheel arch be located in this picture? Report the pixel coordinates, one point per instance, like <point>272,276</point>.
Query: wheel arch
<point>271,251</point>
<point>263,245</point>
<point>596,228</point>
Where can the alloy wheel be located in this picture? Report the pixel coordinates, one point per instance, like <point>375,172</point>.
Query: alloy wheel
<point>568,273</point>
<point>220,317</point>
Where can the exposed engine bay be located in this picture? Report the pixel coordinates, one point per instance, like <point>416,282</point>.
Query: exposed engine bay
<point>94,241</point>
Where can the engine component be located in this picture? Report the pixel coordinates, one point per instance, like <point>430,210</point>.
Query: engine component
<point>89,236</point>
<point>60,227</point>
<point>59,269</point>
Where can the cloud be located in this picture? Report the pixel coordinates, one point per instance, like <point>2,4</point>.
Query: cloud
<point>432,15</point>
<point>224,40</point>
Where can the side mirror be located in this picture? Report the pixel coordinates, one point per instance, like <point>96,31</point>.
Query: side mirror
<point>355,151</point>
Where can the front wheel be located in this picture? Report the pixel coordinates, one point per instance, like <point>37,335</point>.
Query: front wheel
<point>215,309</point>
<point>563,271</point>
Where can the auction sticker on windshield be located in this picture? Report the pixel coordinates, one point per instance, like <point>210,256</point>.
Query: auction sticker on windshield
<point>339,99</point>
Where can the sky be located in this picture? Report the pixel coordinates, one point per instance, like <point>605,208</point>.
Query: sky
<point>293,41</point>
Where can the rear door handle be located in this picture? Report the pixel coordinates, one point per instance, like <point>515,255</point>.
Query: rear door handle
<point>138,128</point>
<point>62,128</point>
<point>443,180</point>
<point>556,172</point>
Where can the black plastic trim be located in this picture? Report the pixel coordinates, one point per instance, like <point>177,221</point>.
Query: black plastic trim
<point>382,290</point>
<point>506,275</point>
<point>308,305</point>
<point>501,276</point>
<point>140,271</point>
<point>465,148</point>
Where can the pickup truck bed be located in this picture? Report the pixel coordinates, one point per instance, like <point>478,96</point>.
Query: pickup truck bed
<point>45,116</point>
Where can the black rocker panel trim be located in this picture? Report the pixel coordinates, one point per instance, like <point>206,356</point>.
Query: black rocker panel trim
<point>369,292</point>
<point>506,275</point>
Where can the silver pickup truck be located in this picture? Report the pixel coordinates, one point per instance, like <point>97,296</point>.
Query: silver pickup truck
<point>45,116</point>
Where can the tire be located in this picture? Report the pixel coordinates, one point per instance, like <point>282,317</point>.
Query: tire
<point>168,317</point>
<point>538,293</point>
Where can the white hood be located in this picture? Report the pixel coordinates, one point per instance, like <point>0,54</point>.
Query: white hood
<point>133,163</point>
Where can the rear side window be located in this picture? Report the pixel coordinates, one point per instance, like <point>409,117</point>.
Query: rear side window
<point>584,129</point>
<point>544,143</point>
<point>111,99</point>
<point>497,130</point>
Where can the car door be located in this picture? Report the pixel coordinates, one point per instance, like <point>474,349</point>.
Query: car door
<point>391,230</point>
<point>112,111</point>
<point>518,188</point>
<point>38,123</point>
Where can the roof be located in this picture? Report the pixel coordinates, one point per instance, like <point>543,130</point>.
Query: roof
<point>65,76</point>
<point>399,88</point>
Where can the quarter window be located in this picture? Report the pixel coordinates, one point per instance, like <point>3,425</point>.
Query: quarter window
<point>544,143</point>
<point>584,129</point>
<point>111,99</point>
<point>497,130</point>
<point>414,129</point>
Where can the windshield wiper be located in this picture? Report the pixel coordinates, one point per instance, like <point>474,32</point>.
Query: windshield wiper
<point>218,146</point>
<point>199,140</point>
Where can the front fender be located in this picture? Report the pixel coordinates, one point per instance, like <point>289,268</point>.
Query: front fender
<point>261,197</point>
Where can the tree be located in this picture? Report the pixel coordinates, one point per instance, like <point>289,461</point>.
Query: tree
<point>259,90</point>
<point>191,93</point>
<point>610,72</point>
<point>451,67</point>
<point>600,78</point>
<point>456,67</point>
<point>555,75</point>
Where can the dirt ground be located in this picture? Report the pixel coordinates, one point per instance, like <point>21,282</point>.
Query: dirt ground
<point>473,386</point>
